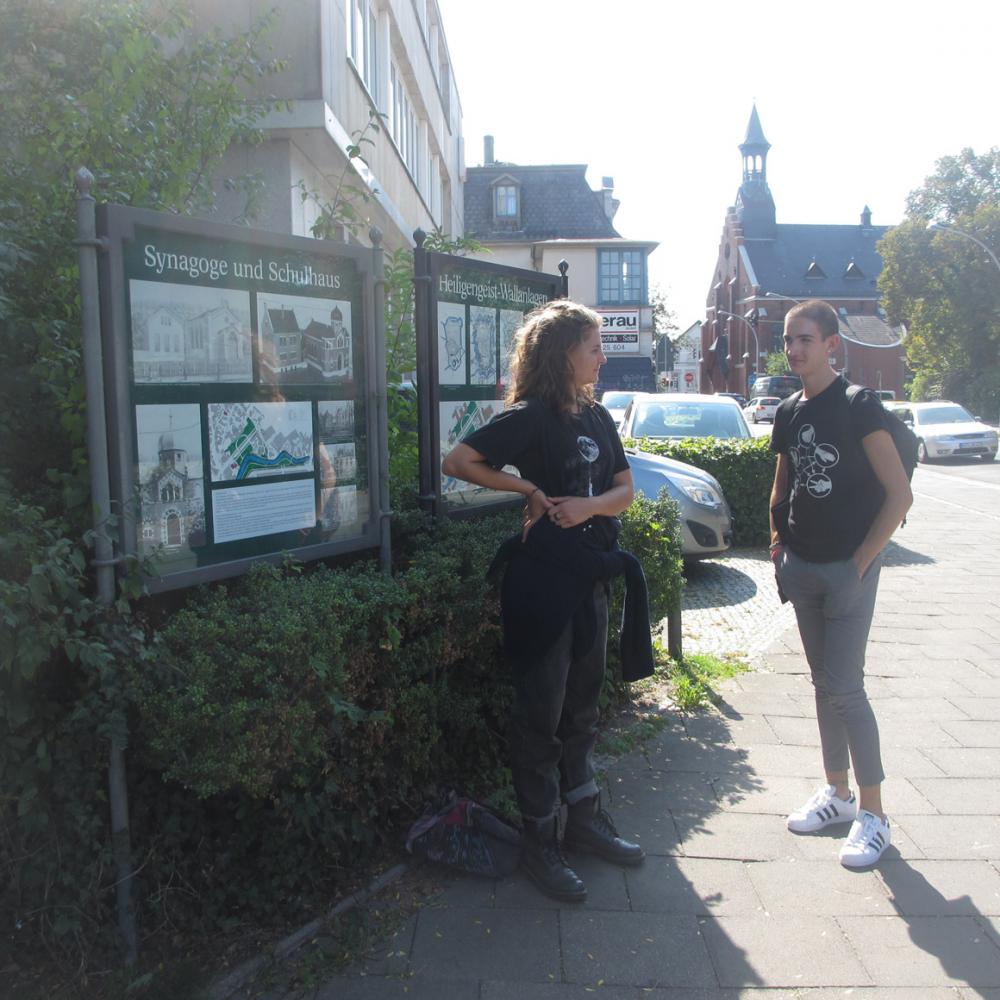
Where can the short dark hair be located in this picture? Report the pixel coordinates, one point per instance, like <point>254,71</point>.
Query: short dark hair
<point>820,312</point>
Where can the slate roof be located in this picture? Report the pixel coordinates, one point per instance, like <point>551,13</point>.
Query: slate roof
<point>755,134</point>
<point>780,264</point>
<point>283,320</point>
<point>555,201</point>
<point>870,330</point>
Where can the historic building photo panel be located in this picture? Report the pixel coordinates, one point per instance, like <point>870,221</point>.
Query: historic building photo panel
<point>189,333</point>
<point>304,340</point>
<point>171,480</point>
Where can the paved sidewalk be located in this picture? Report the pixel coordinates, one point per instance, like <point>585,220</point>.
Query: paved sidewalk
<point>730,905</point>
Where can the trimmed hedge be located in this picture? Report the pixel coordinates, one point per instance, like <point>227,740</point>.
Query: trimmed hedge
<point>282,728</point>
<point>744,469</point>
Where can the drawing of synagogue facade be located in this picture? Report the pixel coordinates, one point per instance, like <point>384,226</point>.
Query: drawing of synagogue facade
<point>173,502</point>
<point>213,345</point>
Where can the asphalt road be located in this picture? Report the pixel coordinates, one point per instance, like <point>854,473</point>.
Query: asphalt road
<point>967,486</point>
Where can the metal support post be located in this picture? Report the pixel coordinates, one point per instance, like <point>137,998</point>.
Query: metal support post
<point>381,403</point>
<point>100,492</point>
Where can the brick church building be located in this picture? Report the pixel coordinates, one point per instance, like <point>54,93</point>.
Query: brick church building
<point>764,268</point>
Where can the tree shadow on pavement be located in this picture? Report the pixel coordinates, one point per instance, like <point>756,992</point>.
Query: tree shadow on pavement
<point>953,931</point>
<point>714,585</point>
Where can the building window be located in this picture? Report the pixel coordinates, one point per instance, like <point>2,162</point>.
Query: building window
<point>621,277</point>
<point>403,122</point>
<point>505,201</point>
<point>363,36</point>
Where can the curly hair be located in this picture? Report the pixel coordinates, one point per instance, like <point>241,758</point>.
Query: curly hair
<point>540,367</point>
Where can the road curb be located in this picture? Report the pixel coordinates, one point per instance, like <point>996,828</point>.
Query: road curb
<point>234,981</point>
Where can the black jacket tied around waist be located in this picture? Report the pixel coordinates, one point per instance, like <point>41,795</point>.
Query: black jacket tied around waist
<point>549,580</point>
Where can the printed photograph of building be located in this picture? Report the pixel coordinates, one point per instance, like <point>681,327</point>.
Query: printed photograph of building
<point>304,339</point>
<point>187,333</point>
<point>171,479</point>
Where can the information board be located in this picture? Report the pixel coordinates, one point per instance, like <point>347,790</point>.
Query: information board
<point>467,319</point>
<point>241,393</point>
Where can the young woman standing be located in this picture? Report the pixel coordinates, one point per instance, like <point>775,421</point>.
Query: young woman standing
<point>575,479</point>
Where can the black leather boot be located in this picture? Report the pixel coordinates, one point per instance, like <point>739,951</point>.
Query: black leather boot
<point>590,829</point>
<point>542,859</point>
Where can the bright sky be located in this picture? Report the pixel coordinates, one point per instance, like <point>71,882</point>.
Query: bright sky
<point>657,95</point>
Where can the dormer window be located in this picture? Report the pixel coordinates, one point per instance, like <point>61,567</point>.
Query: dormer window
<point>853,271</point>
<point>505,201</point>
<point>814,270</point>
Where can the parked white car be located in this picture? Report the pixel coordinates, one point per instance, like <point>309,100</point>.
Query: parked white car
<point>946,430</point>
<point>682,415</point>
<point>615,401</point>
<point>761,408</point>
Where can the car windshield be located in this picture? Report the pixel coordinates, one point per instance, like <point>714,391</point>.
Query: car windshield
<point>617,400</point>
<point>683,419</point>
<point>768,401</point>
<point>950,414</point>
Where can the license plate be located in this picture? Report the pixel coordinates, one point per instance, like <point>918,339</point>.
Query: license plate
<point>968,447</point>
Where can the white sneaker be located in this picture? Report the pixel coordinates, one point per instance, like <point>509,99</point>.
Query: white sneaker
<point>868,839</point>
<point>824,808</point>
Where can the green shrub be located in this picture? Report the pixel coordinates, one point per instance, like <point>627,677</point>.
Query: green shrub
<point>745,471</point>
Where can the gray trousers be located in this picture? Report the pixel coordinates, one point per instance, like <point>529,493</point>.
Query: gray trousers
<point>834,611</point>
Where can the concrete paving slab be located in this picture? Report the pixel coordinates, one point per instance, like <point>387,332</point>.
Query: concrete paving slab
<point>942,888</point>
<point>981,684</point>
<point>894,732</point>
<point>637,949</point>
<point>979,708</point>
<point>572,991</point>
<point>788,761</point>
<point>972,734</point>
<point>654,792</point>
<point>916,710</point>
<point>713,727</point>
<point>796,731</point>
<point>736,836</point>
<point>831,889</point>
<point>761,704</point>
<point>697,886</point>
<point>932,686</point>
<point>467,944</point>
<point>772,795</point>
<point>961,796</point>
<point>462,889</point>
<point>924,951</point>
<point>406,987</point>
<point>773,683</point>
<point>966,762</point>
<point>796,951</point>
<point>909,761</point>
<point>952,837</point>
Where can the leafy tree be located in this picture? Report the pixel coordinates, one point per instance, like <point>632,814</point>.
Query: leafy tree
<point>944,287</point>
<point>776,363</point>
<point>122,88</point>
<point>959,185</point>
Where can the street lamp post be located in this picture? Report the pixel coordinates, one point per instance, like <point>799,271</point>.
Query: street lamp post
<point>942,227</point>
<point>756,343</point>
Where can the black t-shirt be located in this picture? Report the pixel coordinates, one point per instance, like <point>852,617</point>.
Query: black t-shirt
<point>834,496</point>
<point>566,455</point>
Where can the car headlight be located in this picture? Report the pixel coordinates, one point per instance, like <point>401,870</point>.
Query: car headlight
<point>700,493</point>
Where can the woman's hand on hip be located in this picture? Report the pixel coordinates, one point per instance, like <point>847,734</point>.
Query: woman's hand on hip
<point>534,508</point>
<point>568,512</point>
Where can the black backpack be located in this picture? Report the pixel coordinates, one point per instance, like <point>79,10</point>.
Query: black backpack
<point>902,437</point>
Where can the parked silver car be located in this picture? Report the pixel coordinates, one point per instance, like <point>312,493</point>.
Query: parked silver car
<point>706,522</point>
<point>945,429</point>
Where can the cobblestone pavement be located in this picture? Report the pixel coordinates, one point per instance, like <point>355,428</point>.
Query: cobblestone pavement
<point>731,606</point>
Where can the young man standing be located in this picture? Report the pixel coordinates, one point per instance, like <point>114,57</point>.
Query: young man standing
<point>839,493</point>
